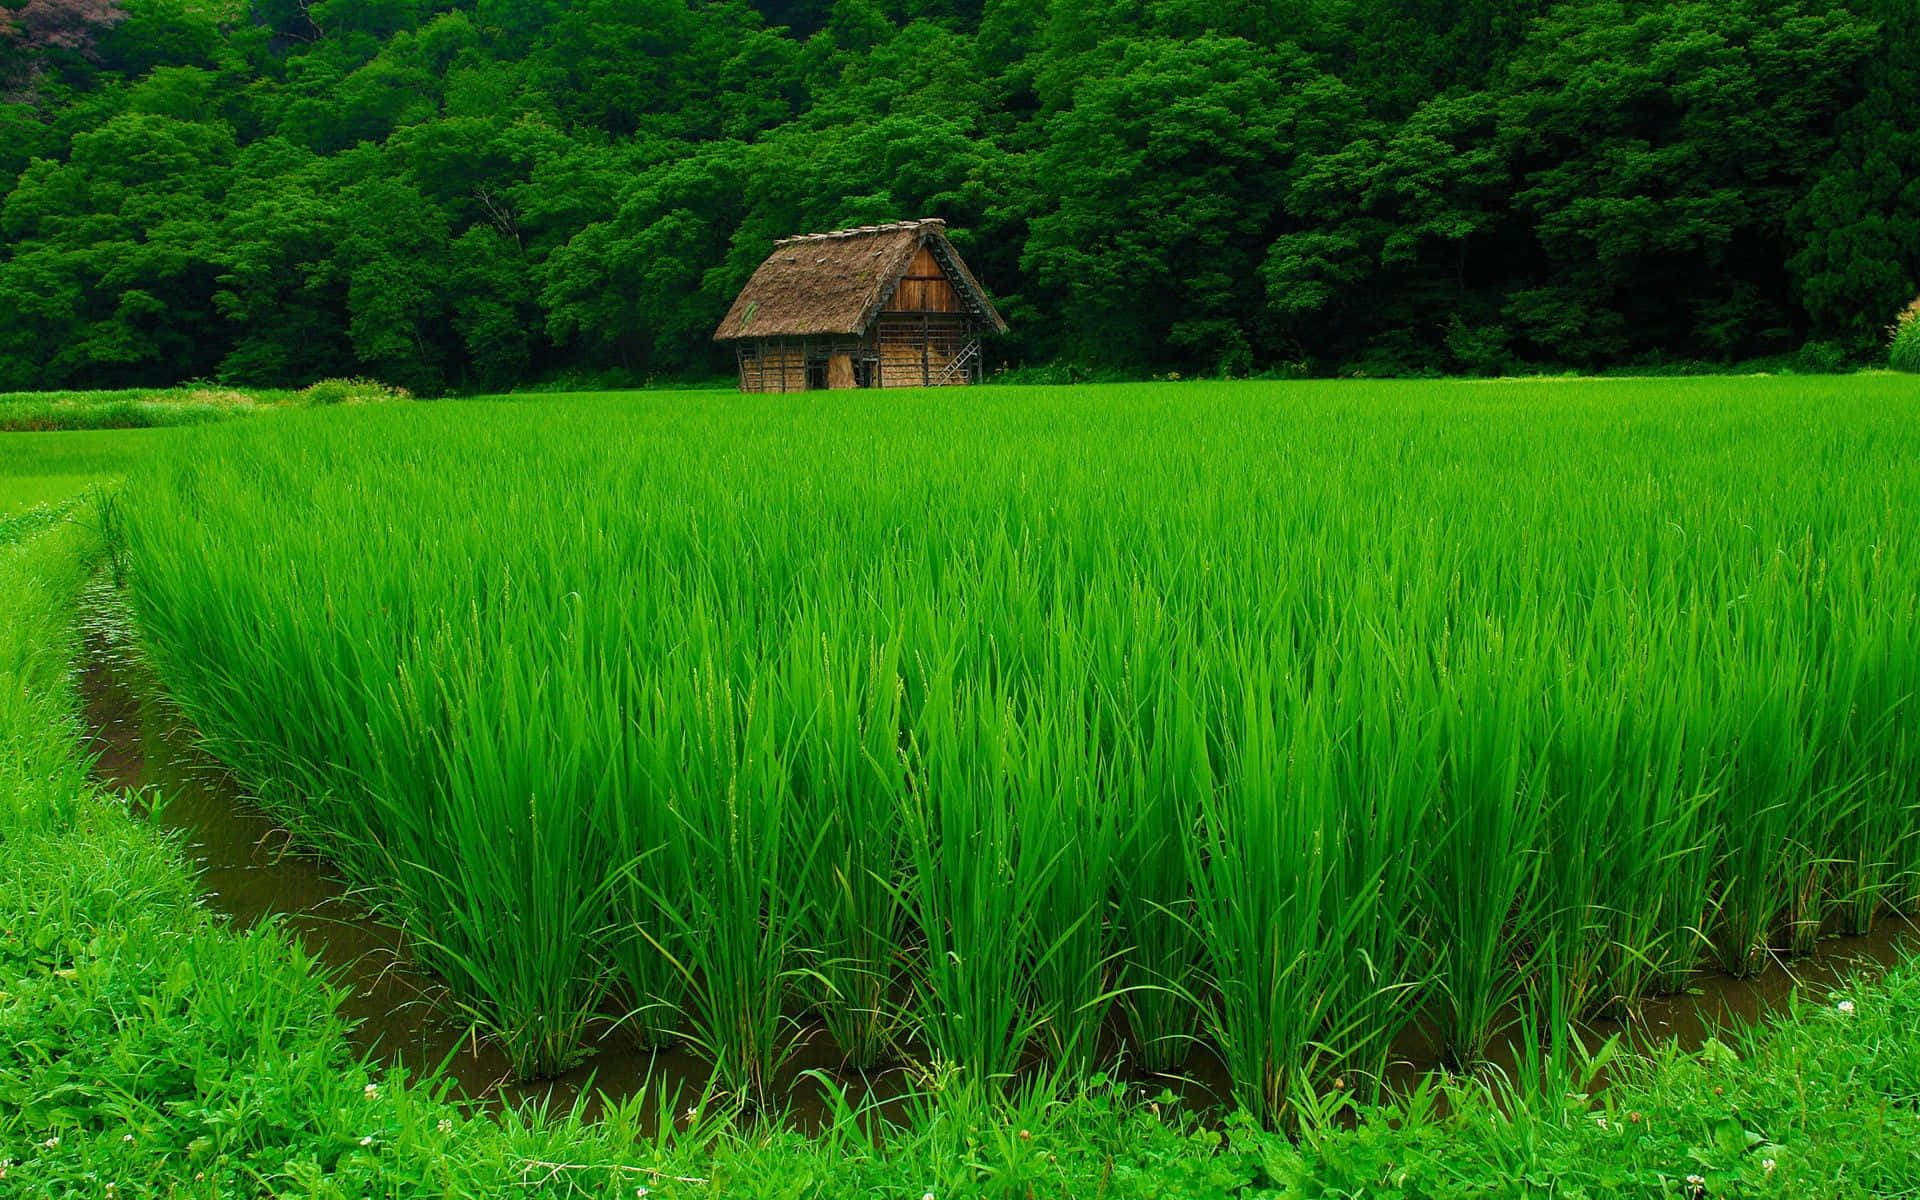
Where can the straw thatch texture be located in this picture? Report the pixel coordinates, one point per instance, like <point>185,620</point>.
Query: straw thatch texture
<point>834,283</point>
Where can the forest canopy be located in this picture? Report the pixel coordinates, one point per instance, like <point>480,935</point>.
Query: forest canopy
<point>500,192</point>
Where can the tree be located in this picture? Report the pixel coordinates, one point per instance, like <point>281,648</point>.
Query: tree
<point>488,191</point>
<point>393,258</point>
<point>279,291</point>
<point>114,255</point>
<point>1158,189</point>
<point>43,29</point>
<point>1856,231</point>
<point>1658,150</point>
<point>1396,247</point>
<point>641,290</point>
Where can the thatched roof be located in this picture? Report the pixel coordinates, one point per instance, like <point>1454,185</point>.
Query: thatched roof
<point>834,283</point>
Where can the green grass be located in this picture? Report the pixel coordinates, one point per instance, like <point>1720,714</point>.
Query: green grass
<point>142,408</point>
<point>1431,695</point>
<point>50,468</point>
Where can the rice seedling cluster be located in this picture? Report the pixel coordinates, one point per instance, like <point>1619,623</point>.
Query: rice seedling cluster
<point>1028,728</point>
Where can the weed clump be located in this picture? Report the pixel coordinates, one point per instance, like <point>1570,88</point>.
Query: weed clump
<point>1904,353</point>
<point>352,391</point>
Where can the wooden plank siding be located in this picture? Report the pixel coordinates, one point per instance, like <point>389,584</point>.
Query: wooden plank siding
<point>773,366</point>
<point>924,349</point>
<point>925,288</point>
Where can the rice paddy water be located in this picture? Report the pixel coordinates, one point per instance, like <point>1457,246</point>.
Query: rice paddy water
<point>985,724</point>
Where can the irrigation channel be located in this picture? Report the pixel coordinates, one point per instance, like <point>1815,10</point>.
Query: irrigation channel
<point>251,870</point>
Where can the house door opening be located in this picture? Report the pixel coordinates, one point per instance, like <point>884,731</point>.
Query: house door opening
<point>816,376</point>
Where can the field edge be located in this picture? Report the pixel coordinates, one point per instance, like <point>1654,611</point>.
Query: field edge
<point>235,1078</point>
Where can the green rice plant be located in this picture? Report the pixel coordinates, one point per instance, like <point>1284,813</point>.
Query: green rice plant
<point>1873,834</point>
<point>1390,770</point>
<point>1296,716</point>
<point>1276,899</point>
<point>636,820</point>
<point>972,889</point>
<point>1653,940</point>
<point>1488,829</point>
<point>1626,880</point>
<point>1069,834</point>
<point>1693,729</point>
<point>737,902</point>
<point>849,784</point>
<point>1768,772</point>
<point>520,902</point>
<point>1162,774</point>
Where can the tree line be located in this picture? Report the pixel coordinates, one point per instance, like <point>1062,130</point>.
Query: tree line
<point>497,192</point>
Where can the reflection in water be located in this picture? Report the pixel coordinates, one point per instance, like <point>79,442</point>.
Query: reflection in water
<point>404,1016</point>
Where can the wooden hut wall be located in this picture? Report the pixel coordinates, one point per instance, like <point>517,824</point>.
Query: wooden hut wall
<point>773,366</point>
<point>925,288</point>
<point>924,350</point>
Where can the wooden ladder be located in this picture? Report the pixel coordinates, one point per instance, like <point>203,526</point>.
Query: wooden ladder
<point>962,361</point>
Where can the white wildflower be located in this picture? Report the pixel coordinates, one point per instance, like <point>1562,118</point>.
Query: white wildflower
<point>1845,1007</point>
<point>1766,1166</point>
<point>445,1125</point>
<point>370,1091</point>
<point>127,1138</point>
<point>51,1143</point>
<point>367,1141</point>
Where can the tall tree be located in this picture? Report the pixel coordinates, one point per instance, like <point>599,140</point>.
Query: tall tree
<point>1157,190</point>
<point>1856,231</point>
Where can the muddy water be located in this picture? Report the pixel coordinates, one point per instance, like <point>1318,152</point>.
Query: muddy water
<point>251,871</point>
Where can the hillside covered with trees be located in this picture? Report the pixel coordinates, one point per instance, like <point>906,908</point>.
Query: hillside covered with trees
<point>497,192</point>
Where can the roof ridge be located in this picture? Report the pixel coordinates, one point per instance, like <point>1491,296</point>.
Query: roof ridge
<point>865,230</point>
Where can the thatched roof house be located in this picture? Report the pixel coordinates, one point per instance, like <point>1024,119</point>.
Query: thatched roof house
<point>877,306</point>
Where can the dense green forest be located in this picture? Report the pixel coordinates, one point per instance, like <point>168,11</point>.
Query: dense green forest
<point>503,191</point>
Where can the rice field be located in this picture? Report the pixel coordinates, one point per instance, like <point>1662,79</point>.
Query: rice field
<point>1022,730</point>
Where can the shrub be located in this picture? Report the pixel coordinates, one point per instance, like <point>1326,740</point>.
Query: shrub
<point>1820,358</point>
<point>352,391</point>
<point>1905,352</point>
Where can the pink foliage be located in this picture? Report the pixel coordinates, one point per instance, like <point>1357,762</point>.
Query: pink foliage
<point>60,24</point>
